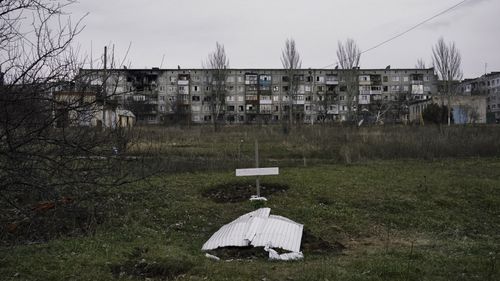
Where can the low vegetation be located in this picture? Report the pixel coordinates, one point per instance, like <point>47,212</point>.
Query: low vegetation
<point>313,144</point>
<point>398,220</point>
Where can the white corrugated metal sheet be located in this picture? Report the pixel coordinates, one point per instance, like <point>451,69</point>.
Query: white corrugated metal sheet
<point>259,229</point>
<point>279,232</point>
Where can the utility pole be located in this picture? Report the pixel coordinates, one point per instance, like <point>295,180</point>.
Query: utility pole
<point>449,98</point>
<point>104,91</point>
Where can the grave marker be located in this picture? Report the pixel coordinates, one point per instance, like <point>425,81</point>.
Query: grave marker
<point>257,171</point>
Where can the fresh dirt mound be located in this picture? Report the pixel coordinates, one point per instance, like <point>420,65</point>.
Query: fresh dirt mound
<point>312,244</point>
<point>250,252</point>
<point>239,192</point>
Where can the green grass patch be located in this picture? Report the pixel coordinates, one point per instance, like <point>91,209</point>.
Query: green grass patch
<point>399,220</point>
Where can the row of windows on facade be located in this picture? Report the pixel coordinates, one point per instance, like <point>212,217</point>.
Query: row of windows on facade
<point>300,88</point>
<point>262,108</point>
<point>253,97</point>
<point>253,79</point>
<point>266,79</point>
<point>493,84</point>
<point>364,90</point>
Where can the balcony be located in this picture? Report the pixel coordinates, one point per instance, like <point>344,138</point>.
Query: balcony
<point>364,99</point>
<point>332,80</point>
<point>183,82</point>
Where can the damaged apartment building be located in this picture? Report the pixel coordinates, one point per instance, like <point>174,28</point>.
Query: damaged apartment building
<point>158,96</point>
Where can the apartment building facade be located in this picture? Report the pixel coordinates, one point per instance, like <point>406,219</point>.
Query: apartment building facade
<point>487,85</point>
<point>159,96</point>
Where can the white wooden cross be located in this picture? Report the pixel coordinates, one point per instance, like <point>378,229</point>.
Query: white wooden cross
<point>257,171</point>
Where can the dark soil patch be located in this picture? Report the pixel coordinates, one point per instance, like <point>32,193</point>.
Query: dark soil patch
<point>239,192</point>
<point>138,266</point>
<point>312,244</point>
<point>230,253</point>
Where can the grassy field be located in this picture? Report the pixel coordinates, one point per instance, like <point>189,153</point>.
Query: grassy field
<point>398,220</point>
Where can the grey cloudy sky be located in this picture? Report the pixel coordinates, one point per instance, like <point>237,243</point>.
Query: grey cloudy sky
<point>254,31</point>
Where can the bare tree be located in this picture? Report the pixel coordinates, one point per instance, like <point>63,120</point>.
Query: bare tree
<point>420,64</point>
<point>218,64</point>
<point>38,160</point>
<point>447,62</point>
<point>348,55</point>
<point>290,59</point>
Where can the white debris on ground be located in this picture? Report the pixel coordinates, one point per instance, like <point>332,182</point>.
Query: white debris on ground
<point>212,257</point>
<point>260,229</point>
<point>292,256</point>
<point>257,198</point>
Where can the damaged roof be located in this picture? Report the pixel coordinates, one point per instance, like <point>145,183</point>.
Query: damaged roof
<point>259,229</point>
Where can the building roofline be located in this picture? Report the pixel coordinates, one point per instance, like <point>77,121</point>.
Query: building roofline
<point>259,69</point>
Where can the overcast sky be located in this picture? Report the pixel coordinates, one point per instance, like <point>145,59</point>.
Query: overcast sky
<point>253,31</point>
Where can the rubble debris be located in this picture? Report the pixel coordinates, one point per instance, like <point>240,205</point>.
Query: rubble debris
<point>260,229</point>
<point>212,257</point>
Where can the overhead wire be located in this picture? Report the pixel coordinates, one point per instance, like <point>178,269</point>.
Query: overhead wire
<point>407,30</point>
